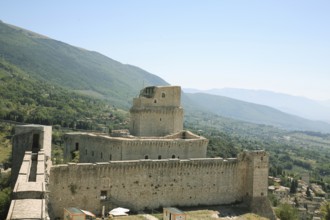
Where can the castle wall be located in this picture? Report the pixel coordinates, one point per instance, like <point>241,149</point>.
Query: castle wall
<point>96,148</point>
<point>150,184</point>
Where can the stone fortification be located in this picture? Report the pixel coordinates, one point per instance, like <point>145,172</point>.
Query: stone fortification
<point>102,148</point>
<point>31,156</point>
<point>157,111</point>
<point>157,183</point>
<point>29,138</point>
<point>137,171</point>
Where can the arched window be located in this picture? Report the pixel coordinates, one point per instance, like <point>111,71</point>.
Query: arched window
<point>159,157</point>
<point>110,157</point>
<point>146,157</point>
<point>173,156</point>
<point>77,146</point>
<point>163,95</point>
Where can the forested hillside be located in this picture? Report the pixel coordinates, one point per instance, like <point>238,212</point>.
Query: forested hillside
<point>74,68</point>
<point>24,99</point>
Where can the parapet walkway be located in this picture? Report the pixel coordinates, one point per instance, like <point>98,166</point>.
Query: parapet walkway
<point>30,191</point>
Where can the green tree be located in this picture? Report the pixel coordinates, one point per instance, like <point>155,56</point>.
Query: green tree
<point>308,193</point>
<point>4,202</point>
<point>286,212</point>
<point>293,186</point>
<point>325,209</point>
<point>4,194</point>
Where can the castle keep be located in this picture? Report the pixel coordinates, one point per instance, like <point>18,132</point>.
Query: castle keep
<point>156,133</point>
<point>154,164</point>
<point>157,112</point>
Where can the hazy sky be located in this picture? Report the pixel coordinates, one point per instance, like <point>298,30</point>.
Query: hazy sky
<point>277,45</point>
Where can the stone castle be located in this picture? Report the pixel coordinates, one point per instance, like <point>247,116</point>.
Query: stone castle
<point>154,164</point>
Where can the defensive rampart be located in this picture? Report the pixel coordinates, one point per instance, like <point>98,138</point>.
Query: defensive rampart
<point>29,197</point>
<point>149,184</point>
<point>29,138</point>
<point>31,163</point>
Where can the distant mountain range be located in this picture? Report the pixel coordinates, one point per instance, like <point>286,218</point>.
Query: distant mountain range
<point>254,113</point>
<point>300,106</point>
<point>95,75</point>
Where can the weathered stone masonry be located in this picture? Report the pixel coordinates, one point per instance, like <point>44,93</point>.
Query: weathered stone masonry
<point>101,148</point>
<point>157,112</point>
<point>159,183</point>
<point>30,172</point>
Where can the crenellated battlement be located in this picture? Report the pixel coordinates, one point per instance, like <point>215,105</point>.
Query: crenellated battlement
<point>197,162</point>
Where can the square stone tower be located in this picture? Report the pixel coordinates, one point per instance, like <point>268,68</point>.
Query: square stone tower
<point>157,112</point>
